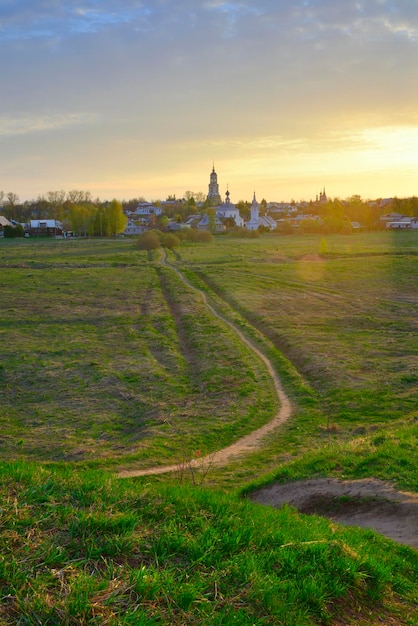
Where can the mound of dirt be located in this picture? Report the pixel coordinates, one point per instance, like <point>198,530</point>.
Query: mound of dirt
<point>366,503</point>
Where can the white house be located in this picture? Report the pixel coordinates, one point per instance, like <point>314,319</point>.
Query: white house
<point>403,222</point>
<point>132,228</point>
<point>147,209</point>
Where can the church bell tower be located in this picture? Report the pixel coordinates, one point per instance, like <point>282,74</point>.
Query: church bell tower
<point>213,193</point>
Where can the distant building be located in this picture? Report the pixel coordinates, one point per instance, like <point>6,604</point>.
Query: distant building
<point>403,222</point>
<point>215,223</point>
<point>256,220</point>
<point>229,210</point>
<point>148,209</point>
<point>132,228</point>
<point>51,228</point>
<point>213,194</point>
<point>223,210</point>
<point>322,196</point>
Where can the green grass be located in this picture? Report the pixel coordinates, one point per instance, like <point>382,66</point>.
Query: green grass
<point>83,548</point>
<point>346,320</point>
<point>117,362</point>
<point>389,454</point>
<point>109,360</point>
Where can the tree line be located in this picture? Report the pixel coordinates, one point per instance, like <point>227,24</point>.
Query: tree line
<point>79,212</point>
<point>75,209</point>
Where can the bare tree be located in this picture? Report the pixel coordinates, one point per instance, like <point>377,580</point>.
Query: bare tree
<point>56,198</point>
<point>75,196</point>
<point>12,199</point>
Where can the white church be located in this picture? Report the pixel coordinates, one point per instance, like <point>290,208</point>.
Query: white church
<point>257,220</point>
<point>226,209</point>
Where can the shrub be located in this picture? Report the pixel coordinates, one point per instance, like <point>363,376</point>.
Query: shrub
<point>148,240</point>
<point>170,241</point>
<point>244,232</point>
<point>284,228</point>
<point>14,231</point>
<point>195,236</point>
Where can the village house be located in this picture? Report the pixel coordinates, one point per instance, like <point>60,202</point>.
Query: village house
<point>146,209</point>
<point>397,221</point>
<point>132,228</point>
<point>49,228</point>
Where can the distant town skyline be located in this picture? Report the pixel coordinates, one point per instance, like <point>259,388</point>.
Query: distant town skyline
<point>140,97</point>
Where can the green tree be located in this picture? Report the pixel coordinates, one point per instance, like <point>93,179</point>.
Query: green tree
<point>82,219</point>
<point>212,222</point>
<point>163,221</point>
<point>117,218</point>
<point>14,231</point>
<point>101,223</point>
<point>244,209</point>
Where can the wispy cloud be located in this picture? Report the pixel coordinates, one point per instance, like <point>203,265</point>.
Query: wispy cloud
<point>24,125</point>
<point>172,82</point>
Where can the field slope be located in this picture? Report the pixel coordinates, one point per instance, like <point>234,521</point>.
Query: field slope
<point>110,360</point>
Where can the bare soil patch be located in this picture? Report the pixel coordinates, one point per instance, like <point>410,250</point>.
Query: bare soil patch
<point>368,503</point>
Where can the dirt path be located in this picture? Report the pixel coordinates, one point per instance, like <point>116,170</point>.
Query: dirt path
<point>245,444</point>
<point>368,503</point>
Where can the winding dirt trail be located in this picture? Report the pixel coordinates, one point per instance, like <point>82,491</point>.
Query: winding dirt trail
<point>369,503</point>
<point>251,441</point>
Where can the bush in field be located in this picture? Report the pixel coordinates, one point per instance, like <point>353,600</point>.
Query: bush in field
<point>244,232</point>
<point>170,241</point>
<point>148,240</point>
<point>14,231</point>
<point>310,226</point>
<point>194,235</point>
<point>284,228</point>
<point>201,236</point>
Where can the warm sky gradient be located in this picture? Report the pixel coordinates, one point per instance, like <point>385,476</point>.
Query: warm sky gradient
<point>124,98</point>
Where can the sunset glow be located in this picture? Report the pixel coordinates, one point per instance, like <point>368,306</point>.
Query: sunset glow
<point>136,99</point>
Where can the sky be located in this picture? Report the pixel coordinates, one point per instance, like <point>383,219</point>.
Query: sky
<point>130,98</point>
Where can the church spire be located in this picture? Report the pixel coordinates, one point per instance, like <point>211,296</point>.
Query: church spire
<point>213,193</point>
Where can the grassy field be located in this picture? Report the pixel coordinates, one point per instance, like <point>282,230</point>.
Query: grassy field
<point>342,310</point>
<point>109,360</point>
<point>109,356</point>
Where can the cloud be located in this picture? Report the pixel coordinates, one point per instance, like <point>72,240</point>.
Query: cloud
<point>302,19</point>
<point>193,77</point>
<point>11,126</point>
